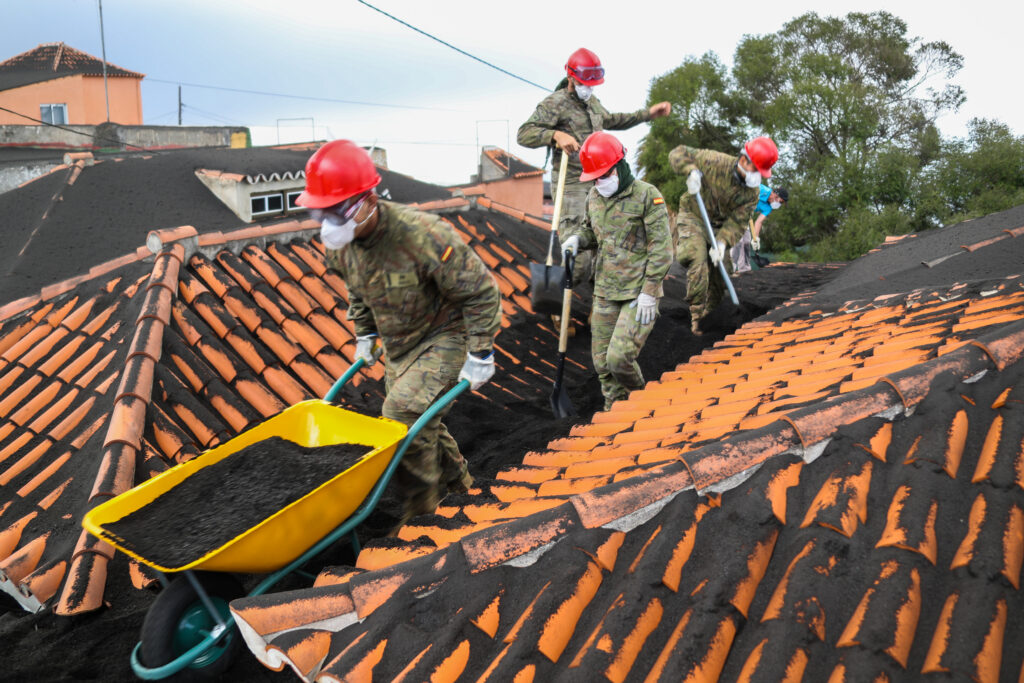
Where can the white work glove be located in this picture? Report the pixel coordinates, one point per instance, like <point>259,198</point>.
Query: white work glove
<point>571,244</point>
<point>477,370</point>
<point>717,253</point>
<point>368,347</point>
<point>693,181</point>
<point>646,308</point>
<point>755,243</point>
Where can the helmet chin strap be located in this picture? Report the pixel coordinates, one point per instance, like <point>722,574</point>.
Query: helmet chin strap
<point>365,224</point>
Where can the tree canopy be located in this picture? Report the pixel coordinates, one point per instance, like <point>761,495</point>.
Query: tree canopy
<point>852,103</point>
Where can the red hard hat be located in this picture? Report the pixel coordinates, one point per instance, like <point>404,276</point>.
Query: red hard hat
<point>763,152</point>
<point>338,170</point>
<point>599,152</point>
<point>585,68</point>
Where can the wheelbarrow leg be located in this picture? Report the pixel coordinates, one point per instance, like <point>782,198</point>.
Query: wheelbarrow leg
<point>205,599</point>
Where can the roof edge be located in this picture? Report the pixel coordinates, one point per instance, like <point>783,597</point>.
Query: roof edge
<point>86,578</point>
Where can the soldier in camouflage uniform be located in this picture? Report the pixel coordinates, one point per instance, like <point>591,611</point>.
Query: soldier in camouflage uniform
<point>729,187</point>
<point>419,295</point>
<point>627,223</point>
<point>564,119</point>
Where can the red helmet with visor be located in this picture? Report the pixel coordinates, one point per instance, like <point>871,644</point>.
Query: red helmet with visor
<point>585,68</point>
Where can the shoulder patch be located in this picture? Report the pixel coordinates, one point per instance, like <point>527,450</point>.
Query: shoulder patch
<point>446,254</point>
<point>659,200</point>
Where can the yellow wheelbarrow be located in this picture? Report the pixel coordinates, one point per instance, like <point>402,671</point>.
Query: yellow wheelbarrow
<point>189,625</point>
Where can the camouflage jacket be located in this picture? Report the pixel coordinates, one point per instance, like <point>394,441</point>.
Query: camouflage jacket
<point>562,110</point>
<point>729,202</point>
<point>631,233</point>
<point>413,280</point>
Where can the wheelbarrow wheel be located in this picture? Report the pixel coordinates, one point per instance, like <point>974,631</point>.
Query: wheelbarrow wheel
<point>178,620</point>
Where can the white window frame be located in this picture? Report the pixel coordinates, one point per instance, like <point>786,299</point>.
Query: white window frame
<point>289,201</point>
<point>266,211</point>
<point>63,108</point>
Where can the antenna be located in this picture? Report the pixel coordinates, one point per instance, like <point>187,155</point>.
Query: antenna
<point>103,45</point>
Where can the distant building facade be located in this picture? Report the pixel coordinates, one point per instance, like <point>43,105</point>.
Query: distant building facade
<point>54,83</point>
<point>508,180</point>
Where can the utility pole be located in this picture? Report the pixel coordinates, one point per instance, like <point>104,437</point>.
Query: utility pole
<point>179,105</point>
<point>103,44</point>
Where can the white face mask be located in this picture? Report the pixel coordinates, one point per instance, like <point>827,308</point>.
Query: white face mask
<point>752,178</point>
<point>775,205</point>
<point>584,92</point>
<point>336,234</point>
<point>606,187</point>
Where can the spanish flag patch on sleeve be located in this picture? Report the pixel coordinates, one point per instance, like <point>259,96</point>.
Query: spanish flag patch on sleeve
<point>659,200</point>
<point>446,254</point>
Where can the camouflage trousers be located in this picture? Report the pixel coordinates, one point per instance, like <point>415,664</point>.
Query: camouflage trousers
<point>574,203</point>
<point>704,285</point>
<point>432,462</point>
<point>616,340</point>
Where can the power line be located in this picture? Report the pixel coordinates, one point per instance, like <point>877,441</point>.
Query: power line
<point>151,119</point>
<point>425,142</point>
<point>403,23</point>
<point>299,97</point>
<point>119,143</point>
<point>214,117</point>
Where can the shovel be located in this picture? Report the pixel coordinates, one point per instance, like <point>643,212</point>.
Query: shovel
<point>561,405</point>
<point>546,279</point>
<point>714,243</point>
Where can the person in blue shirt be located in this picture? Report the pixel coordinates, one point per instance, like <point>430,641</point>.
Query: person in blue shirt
<point>768,201</point>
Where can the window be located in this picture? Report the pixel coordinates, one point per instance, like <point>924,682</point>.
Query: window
<point>53,113</point>
<point>266,203</point>
<point>292,197</point>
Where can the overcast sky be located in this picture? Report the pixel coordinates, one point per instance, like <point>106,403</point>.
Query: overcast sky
<point>426,104</point>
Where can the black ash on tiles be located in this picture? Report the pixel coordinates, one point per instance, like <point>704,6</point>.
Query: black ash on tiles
<point>223,500</point>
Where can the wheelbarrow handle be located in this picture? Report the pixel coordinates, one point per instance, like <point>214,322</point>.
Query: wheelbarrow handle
<point>333,392</point>
<point>714,243</point>
<point>437,406</point>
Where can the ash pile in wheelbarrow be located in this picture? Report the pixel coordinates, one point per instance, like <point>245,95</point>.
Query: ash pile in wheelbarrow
<point>267,500</point>
<point>223,500</point>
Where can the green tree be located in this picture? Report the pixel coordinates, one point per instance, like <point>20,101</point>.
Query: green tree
<point>852,102</point>
<point>840,87</point>
<point>980,174</point>
<point>703,115</point>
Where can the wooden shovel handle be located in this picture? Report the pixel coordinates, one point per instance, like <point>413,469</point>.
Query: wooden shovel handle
<point>557,215</point>
<point>563,332</point>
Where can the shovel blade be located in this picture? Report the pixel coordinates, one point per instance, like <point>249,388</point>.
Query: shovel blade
<point>561,404</point>
<point>546,288</point>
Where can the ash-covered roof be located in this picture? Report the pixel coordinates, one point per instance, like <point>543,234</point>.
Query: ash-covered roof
<point>54,60</point>
<point>831,488</point>
<point>770,507</point>
<point>80,215</point>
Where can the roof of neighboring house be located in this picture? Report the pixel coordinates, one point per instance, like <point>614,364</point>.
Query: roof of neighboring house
<point>81,214</point>
<point>48,61</point>
<point>510,163</point>
<point>835,490</point>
